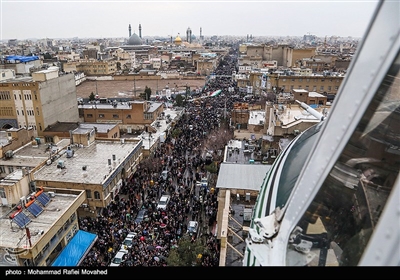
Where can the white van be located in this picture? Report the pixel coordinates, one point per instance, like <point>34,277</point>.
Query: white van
<point>164,200</point>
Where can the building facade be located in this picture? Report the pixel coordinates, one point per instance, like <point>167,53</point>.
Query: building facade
<point>38,101</point>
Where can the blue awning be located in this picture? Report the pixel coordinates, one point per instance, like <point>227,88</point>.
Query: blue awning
<point>21,58</point>
<point>76,249</point>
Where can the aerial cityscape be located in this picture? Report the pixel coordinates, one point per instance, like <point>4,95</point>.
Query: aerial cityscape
<point>195,146</point>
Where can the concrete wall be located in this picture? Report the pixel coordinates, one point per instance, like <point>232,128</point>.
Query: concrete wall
<point>58,99</point>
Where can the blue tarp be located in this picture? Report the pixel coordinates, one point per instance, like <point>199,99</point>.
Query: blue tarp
<point>22,58</point>
<point>76,249</point>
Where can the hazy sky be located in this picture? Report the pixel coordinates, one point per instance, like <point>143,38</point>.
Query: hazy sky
<point>103,19</point>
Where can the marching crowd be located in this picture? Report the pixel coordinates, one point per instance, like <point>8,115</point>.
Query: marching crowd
<point>160,231</point>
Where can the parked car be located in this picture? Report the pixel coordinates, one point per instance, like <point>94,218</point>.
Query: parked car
<point>142,214</point>
<point>127,243</point>
<point>118,258</point>
<point>193,226</point>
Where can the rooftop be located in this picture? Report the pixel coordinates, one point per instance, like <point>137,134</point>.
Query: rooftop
<point>89,164</point>
<point>13,236</point>
<point>32,155</point>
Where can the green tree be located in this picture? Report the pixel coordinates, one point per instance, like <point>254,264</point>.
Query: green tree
<point>212,167</point>
<point>188,252</point>
<point>147,92</point>
<point>91,96</point>
<point>176,132</point>
<point>179,100</point>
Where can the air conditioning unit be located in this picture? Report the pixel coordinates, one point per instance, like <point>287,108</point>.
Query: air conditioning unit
<point>61,164</point>
<point>23,200</point>
<point>9,154</point>
<point>51,194</point>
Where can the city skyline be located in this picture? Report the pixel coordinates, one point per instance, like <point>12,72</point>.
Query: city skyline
<point>23,20</point>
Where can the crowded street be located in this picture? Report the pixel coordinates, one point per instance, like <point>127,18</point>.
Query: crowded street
<point>199,134</point>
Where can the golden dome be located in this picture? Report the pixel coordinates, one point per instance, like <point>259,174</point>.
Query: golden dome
<point>178,39</point>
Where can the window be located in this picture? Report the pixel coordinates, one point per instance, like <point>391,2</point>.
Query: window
<point>128,116</point>
<point>115,116</point>
<point>10,169</point>
<point>2,193</point>
<point>88,194</point>
<point>96,195</point>
<point>101,116</point>
<point>89,115</point>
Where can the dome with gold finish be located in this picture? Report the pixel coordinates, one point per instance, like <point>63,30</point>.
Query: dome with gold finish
<point>178,40</point>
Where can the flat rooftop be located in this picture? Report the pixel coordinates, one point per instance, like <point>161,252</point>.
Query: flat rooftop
<point>32,155</point>
<point>13,236</point>
<point>94,157</point>
<point>293,114</point>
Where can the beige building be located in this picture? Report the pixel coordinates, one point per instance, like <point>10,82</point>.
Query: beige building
<point>92,67</point>
<point>130,116</point>
<point>99,167</point>
<point>299,54</point>
<point>317,83</point>
<point>26,158</point>
<point>59,130</point>
<point>205,66</point>
<point>34,232</point>
<point>38,101</point>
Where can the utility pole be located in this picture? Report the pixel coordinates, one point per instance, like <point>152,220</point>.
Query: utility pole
<point>134,85</point>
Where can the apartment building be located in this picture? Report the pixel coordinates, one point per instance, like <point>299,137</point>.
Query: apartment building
<point>40,226</point>
<point>130,116</point>
<point>92,67</point>
<point>38,101</point>
<point>99,167</point>
<point>277,82</point>
<point>21,65</point>
<point>26,155</point>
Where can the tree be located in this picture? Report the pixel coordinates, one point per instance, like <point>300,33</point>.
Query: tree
<point>179,100</point>
<point>188,252</point>
<point>91,96</point>
<point>176,132</point>
<point>147,93</point>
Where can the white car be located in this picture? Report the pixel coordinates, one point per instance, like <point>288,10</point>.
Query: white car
<point>127,243</point>
<point>164,200</point>
<point>118,258</point>
<point>192,228</point>
<point>204,182</point>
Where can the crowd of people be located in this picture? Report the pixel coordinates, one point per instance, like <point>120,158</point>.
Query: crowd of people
<point>183,156</point>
